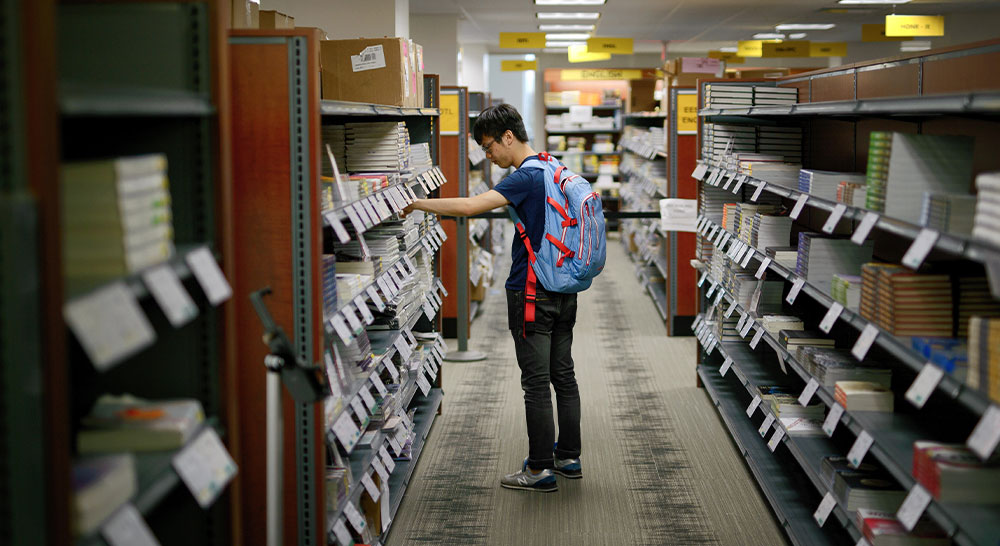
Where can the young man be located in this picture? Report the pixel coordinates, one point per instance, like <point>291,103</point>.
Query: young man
<point>543,346</point>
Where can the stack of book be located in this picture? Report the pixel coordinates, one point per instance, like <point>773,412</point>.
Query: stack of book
<point>867,486</point>
<point>783,141</point>
<point>852,194</point>
<point>711,204</point>
<point>382,146</point>
<point>953,473</point>
<point>984,356</point>
<point>785,256</point>
<point>116,218</point>
<point>821,257</point>
<point>830,365</point>
<point>350,285</point>
<point>974,299</point>
<point>420,157</point>
<point>728,96</point>
<point>730,211</point>
<point>783,402</point>
<point>846,289</point>
<point>802,426</point>
<point>881,528</point>
<point>948,212</point>
<point>905,303</point>
<point>126,423</point>
<point>771,168</point>
<point>776,323</point>
<point>100,486</point>
<point>863,396</point>
<point>986,225</point>
<point>764,95</point>
<point>329,266</point>
<point>825,184</point>
<point>770,230</point>
<point>334,136</point>
<point>721,140</point>
<point>791,340</point>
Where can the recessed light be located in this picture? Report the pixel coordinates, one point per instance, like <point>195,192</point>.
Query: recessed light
<point>589,15</point>
<point>569,2</point>
<point>729,49</point>
<point>556,50</point>
<point>588,28</point>
<point>563,43</point>
<point>797,36</point>
<point>768,36</point>
<point>914,45</point>
<point>805,26</point>
<point>873,1</point>
<point>567,36</point>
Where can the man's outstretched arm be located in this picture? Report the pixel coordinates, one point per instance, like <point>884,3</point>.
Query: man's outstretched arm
<point>460,206</point>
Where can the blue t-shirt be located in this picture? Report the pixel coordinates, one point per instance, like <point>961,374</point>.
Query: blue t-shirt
<point>525,189</point>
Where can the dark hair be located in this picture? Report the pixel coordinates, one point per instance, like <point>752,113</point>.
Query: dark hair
<point>497,120</point>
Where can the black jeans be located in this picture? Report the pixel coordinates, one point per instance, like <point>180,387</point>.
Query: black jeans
<point>544,356</point>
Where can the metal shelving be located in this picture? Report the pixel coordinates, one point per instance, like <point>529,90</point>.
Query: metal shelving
<point>93,100</point>
<point>566,153</point>
<point>349,108</point>
<point>552,131</point>
<point>928,105</point>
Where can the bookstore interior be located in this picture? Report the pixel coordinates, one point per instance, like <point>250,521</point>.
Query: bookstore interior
<point>224,322</point>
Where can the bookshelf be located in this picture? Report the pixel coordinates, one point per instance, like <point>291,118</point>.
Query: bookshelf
<point>282,230</point>
<point>482,231</point>
<point>455,253</point>
<point>935,92</point>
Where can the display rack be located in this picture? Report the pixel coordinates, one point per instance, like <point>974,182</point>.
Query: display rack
<point>281,230</point>
<point>936,92</point>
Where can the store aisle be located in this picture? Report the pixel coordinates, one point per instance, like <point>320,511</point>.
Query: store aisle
<point>659,467</point>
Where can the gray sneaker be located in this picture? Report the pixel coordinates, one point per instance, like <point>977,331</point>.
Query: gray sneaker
<point>568,468</point>
<point>545,481</point>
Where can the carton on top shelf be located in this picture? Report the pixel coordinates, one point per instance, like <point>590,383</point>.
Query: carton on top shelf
<point>271,19</point>
<point>374,70</point>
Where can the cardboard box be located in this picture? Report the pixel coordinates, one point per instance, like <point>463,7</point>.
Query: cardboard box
<point>271,19</point>
<point>244,14</point>
<point>374,70</point>
<point>640,95</point>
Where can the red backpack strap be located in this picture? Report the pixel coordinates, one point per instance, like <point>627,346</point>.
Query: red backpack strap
<point>531,285</point>
<point>566,252</point>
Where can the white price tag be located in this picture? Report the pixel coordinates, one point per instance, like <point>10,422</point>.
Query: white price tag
<point>394,444</point>
<point>913,506</point>
<point>109,324</point>
<point>403,348</point>
<point>766,425</point>
<point>383,284</point>
<point>731,308</point>
<point>718,297</point>
<point>831,317</point>
<point>345,429</point>
<point>807,393</point>
<point>864,342</point>
<point>170,295</point>
<point>390,464</point>
<point>428,310</point>
<point>746,328</point>
<point>741,250</point>
<point>391,283</point>
<point>701,280</point>
<point>373,294</point>
<point>359,302</point>
<point>699,171</point>
<point>425,387</point>
<point>800,203</point>
<point>368,399</point>
<point>925,383</point>
<point>779,433</point>
<point>747,257</point>
<point>342,534</point>
<point>725,366</point>
<point>726,238</point>
<point>352,215</point>
<point>832,418</point>
<point>754,404</point>
<point>355,517</point>
<point>380,469</point>
<point>359,207</point>
<point>826,506</point>
<point>391,368</point>
<point>370,487</point>
<point>441,287</point>
<point>205,467</point>
<point>341,328</point>
<point>757,192</point>
<point>793,292</point>
<point>729,181</point>
<point>920,248</point>
<point>864,228</point>
<point>739,183</point>
<point>352,319</point>
<point>834,218</point>
<point>127,528</point>
<point>860,449</point>
<point>373,213</point>
<point>711,345</point>
<point>359,409</point>
<point>763,268</point>
<point>209,276</point>
<point>338,228</point>
<point>756,338</point>
<point>379,385</point>
<point>711,289</point>
<point>984,438</point>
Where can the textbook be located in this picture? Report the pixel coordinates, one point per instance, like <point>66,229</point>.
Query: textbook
<point>100,486</point>
<point>881,528</point>
<point>953,473</point>
<point>863,396</point>
<point>126,423</point>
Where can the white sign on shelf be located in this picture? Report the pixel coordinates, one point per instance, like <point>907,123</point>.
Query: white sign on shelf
<point>346,431</point>
<point>925,383</point>
<point>747,325</point>
<point>359,409</point>
<point>864,228</point>
<point>793,292</point>
<point>826,506</point>
<point>985,437</point>
<point>341,328</point>
<point>766,425</point>
<point>170,295</point>
<point>352,215</point>
<point>109,324</point>
<point>209,276</point>
<point>779,433</point>
<point>699,171</point>
<point>355,517</point>
<point>831,317</point>
<point>860,448</point>
<point>368,399</point>
<point>380,469</point>
<point>913,506</point>
<point>370,487</point>
<point>362,306</point>
<point>425,387</point>
<point>128,528</point>
<point>739,183</point>
<point>731,308</point>
<point>379,385</point>
<point>763,268</point>
<point>343,535</point>
<point>864,342</point>
<point>725,366</point>
<point>807,393</point>
<point>338,228</point>
<point>754,404</point>
<point>352,319</point>
<point>373,294</point>
<point>921,247</point>
<point>758,191</point>
<point>834,218</point>
<point>391,368</point>
<point>832,418</point>
<point>390,464</point>
<point>701,280</point>
<point>756,337</point>
<point>205,467</point>
<point>800,203</point>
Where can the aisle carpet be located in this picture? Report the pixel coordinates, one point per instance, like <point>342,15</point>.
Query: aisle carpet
<point>659,466</point>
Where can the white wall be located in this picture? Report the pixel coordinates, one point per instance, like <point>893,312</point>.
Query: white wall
<point>473,67</point>
<point>438,34</point>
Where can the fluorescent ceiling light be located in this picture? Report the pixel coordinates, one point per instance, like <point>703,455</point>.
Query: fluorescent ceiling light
<point>914,45</point>
<point>563,44</point>
<point>589,15</point>
<point>768,36</point>
<point>567,36</point>
<point>805,26</point>
<point>729,49</point>
<point>588,28</point>
<point>797,36</point>
<point>569,2</point>
<point>873,1</point>
<point>556,50</point>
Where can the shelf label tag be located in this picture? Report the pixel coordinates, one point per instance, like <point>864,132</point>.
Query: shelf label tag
<point>346,431</point>
<point>740,252</point>
<point>913,506</point>
<point>807,393</point>
<point>768,421</point>
<point>984,438</point>
<point>342,534</point>
<point>428,310</point>
<point>800,203</point>
<point>793,293</point>
<point>368,399</point>
<point>209,276</point>
<point>826,506</point>
<point>355,517</point>
<point>726,238</point>
<point>338,228</point>
<point>380,469</point>
<point>718,296</point>
<point>725,366</point>
<point>859,449</point>
<point>109,324</point>
<point>920,248</point>
<point>205,467</point>
<point>373,294</point>
<point>862,542</point>
<point>359,302</point>
<point>425,387</point>
<point>754,404</point>
<point>701,280</point>
<point>699,171</point>
<point>864,342</point>
<point>352,215</point>
<point>731,308</point>
<point>390,465</point>
<point>379,385</point>
<point>746,328</point>
<point>763,268</point>
<point>739,183</point>
<point>394,444</point>
<point>834,218</point>
<point>832,418</point>
<point>831,317</point>
<point>729,181</point>
<point>373,492</point>
<point>403,347</point>
<point>749,256</point>
<point>352,319</point>
<point>127,528</point>
<point>170,295</point>
<point>864,228</point>
<point>391,368</point>
<point>758,191</point>
<point>756,337</point>
<point>359,409</point>
<point>779,433</point>
<point>925,383</point>
<point>341,328</point>
<point>711,289</point>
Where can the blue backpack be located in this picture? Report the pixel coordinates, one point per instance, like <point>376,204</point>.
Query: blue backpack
<point>573,247</point>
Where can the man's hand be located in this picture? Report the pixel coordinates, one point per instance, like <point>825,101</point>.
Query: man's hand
<point>410,208</point>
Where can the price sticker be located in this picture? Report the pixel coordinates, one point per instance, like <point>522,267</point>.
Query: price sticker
<point>206,271</point>
<point>756,338</point>
<point>338,228</point>
<point>343,535</point>
<point>920,248</point>
<point>831,317</point>
<point>739,183</point>
<point>766,426</point>
<point>864,342</point>
<point>390,464</point>
<point>355,518</point>
<point>793,293</point>
<point>729,181</point>
<point>380,469</point>
<point>807,393</point>
<point>834,218</point>
<point>779,433</point>
<point>864,228</point>
<point>913,506</point>
<point>403,348</point>
<point>754,404</point>
<point>373,294</point>
<point>127,528</point>
<point>359,409</point>
<point>758,191</point>
<point>925,383</point>
<point>368,399</point>
<point>860,448</point>
<point>352,215</point>
<point>366,314</point>
<point>725,366</point>
<point>800,203</point>
<point>205,467</point>
<point>425,387</point>
<point>370,487</point>
<point>984,438</point>
<point>391,368</point>
<point>731,308</point>
<point>170,295</point>
<point>746,329</point>
<point>763,268</point>
<point>379,385</point>
<point>746,259</point>
<point>352,319</point>
<point>832,418</point>
<point>701,280</point>
<point>826,506</point>
<point>699,171</point>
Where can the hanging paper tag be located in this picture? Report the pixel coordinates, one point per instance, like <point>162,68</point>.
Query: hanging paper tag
<point>725,366</point>
<point>390,465</point>
<point>746,328</point>
<point>368,399</point>
<point>170,295</point>
<point>793,292</point>
<point>832,418</point>
<point>757,192</point>
<point>380,469</point>
<point>768,421</point>
<point>800,203</point>
<point>864,342</point>
<point>808,392</point>
<point>359,409</point>
<point>352,215</point>
<point>779,433</point>
<point>346,431</point>
<point>763,268</point>
<point>370,487</point>
<point>731,308</point>
<point>209,276</point>
<point>373,294</point>
<point>343,535</point>
<point>379,385</point>
<point>355,517</point>
<point>739,183</point>
<point>699,171</point>
<point>864,228</point>
<point>746,259</point>
<point>984,438</point>
<point>913,506</point>
<point>352,319</point>
<point>925,383</point>
<point>425,387</point>
<point>359,302</point>
<point>834,218</point>
<point>338,228</point>
<point>403,348</point>
<point>859,449</point>
<point>109,324</point>
<point>754,404</point>
<point>822,513</point>
<point>756,338</point>
<point>128,528</point>
<point>920,248</point>
<point>391,368</point>
<point>831,317</point>
<point>205,467</point>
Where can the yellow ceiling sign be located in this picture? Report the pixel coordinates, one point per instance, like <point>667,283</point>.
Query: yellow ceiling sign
<point>522,40</point>
<point>788,48</point>
<point>726,56</point>
<point>600,74</point>
<point>518,66</point>
<point>621,46</point>
<point>579,54</point>
<point>687,113</point>
<point>828,49</point>
<point>914,25</point>
<point>876,33</point>
<point>750,48</point>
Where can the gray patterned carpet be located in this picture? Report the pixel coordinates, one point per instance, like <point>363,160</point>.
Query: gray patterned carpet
<point>659,466</point>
